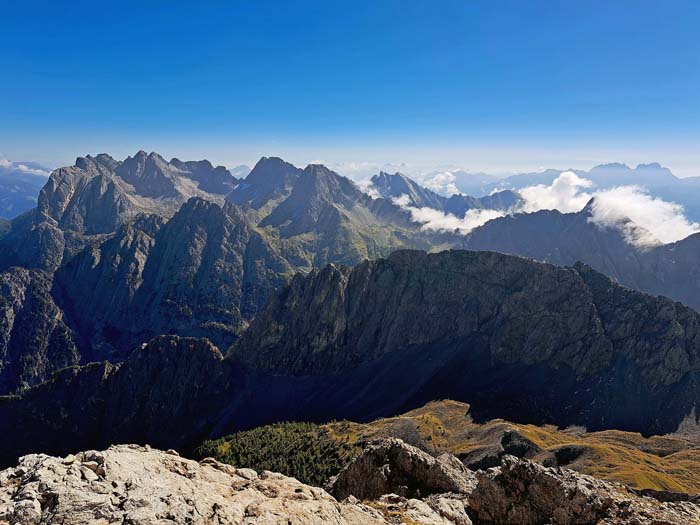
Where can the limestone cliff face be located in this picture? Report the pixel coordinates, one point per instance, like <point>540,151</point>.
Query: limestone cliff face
<point>515,309</point>
<point>168,393</point>
<point>34,338</point>
<point>98,287</point>
<point>204,273</point>
<point>672,269</point>
<point>533,342</point>
<point>98,195</point>
<point>207,274</point>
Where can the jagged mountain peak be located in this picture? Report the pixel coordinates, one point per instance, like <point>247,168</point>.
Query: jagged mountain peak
<point>269,181</point>
<point>271,167</point>
<point>384,178</point>
<point>397,185</point>
<point>185,164</point>
<point>101,159</point>
<point>318,177</point>
<point>320,170</point>
<point>99,193</point>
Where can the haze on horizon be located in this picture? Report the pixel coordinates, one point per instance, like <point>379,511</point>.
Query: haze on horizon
<point>499,87</point>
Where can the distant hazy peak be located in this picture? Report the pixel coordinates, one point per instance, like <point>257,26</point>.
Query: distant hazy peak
<point>393,179</point>
<point>612,165</point>
<point>651,165</point>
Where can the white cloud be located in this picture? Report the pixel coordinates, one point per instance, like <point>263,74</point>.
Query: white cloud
<point>644,220</point>
<point>443,183</point>
<point>365,186</point>
<point>564,194</point>
<point>651,220</point>
<point>432,219</point>
<point>4,163</point>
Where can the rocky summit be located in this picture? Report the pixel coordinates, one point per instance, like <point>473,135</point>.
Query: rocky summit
<point>396,483</point>
<point>131,484</point>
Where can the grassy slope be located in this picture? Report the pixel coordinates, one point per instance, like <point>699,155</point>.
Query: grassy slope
<point>313,453</point>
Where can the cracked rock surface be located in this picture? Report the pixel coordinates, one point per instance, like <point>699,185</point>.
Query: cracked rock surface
<point>135,485</point>
<point>389,483</point>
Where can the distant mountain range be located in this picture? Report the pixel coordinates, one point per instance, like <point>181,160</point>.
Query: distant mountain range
<point>118,253</point>
<point>657,179</point>
<point>396,186</point>
<point>20,184</point>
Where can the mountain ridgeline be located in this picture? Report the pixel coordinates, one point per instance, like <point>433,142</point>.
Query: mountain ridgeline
<point>168,302</point>
<point>127,250</point>
<point>524,340</point>
<point>396,186</point>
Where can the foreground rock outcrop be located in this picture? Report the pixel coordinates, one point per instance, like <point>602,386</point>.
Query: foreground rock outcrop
<point>518,492</point>
<point>130,484</point>
<point>135,485</point>
<point>392,466</point>
<point>521,492</point>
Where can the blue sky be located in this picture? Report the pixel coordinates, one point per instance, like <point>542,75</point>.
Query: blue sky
<point>490,85</point>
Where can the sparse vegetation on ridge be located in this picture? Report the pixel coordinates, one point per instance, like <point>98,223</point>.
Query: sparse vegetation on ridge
<point>306,451</point>
<point>312,453</point>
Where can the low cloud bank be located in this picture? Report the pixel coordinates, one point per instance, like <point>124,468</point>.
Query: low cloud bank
<point>643,219</point>
<point>4,163</point>
<point>564,194</point>
<point>443,183</point>
<point>436,220</point>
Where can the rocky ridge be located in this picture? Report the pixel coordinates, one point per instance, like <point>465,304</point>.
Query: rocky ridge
<point>98,195</point>
<point>529,312</point>
<point>517,492</point>
<point>131,261</point>
<point>133,484</point>
<point>136,248</point>
<point>397,185</point>
<point>35,340</point>
<point>523,340</point>
<point>672,270</point>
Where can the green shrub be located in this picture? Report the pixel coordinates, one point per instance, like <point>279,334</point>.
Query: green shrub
<point>305,451</point>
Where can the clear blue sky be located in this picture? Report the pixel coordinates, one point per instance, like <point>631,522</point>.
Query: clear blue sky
<point>485,84</point>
